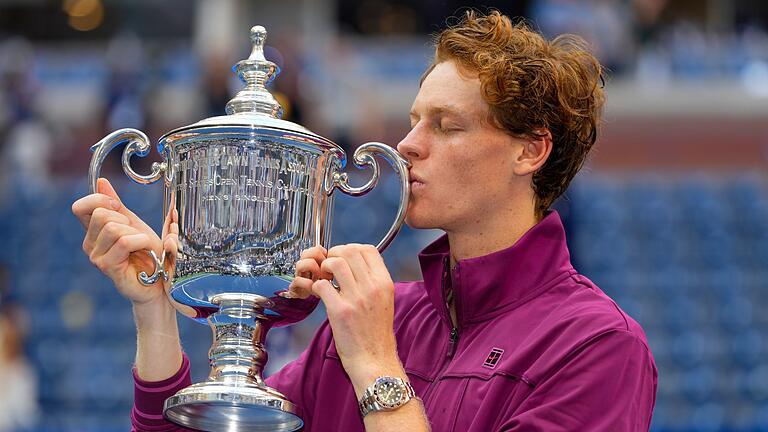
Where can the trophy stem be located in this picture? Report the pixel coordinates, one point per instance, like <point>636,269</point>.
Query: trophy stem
<point>239,330</point>
<point>235,397</point>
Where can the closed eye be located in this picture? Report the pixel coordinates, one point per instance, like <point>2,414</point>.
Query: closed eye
<point>447,126</point>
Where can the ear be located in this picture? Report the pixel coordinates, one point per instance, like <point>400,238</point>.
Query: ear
<point>534,152</point>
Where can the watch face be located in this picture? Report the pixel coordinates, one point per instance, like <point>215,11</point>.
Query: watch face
<point>389,392</point>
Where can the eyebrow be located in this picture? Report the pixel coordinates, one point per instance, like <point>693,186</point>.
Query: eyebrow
<point>441,109</point>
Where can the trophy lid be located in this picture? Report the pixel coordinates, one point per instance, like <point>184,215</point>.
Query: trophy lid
<point>254,106</point>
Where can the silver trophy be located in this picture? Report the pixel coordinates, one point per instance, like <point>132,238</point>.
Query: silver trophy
<point>251,191</point>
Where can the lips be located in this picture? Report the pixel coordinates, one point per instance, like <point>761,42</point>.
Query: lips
<point>415,180</point>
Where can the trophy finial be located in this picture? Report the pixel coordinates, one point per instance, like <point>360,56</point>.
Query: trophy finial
<point>258,34</point>
<point>258,38</point>
<point>256,72</point>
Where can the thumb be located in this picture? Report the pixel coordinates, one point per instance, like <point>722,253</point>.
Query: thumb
<point>103,186</point>
<point>328,294</point>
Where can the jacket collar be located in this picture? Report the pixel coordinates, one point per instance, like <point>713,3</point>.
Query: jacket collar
<point>490,284</point>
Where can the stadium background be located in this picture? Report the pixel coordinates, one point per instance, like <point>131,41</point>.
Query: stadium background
<point>670,216</point>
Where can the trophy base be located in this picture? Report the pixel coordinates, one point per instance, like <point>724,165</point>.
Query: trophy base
<point>219,406</point>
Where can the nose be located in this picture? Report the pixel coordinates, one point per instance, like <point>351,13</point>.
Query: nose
<point>413,145</point>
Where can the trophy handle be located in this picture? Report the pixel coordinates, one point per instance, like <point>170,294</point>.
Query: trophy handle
<point>364,156</point>
<point>138,144</point>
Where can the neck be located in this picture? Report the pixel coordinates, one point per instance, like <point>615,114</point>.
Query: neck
<point>490,235</point>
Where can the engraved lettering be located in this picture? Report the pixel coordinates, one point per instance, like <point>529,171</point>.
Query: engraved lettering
<point>245,177</point>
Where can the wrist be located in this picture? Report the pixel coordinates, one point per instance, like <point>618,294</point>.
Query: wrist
<point>156,322</point>
<point>158,346</point>
<point>385,394</point>
<point>365,373</point>
<point>156,311</point>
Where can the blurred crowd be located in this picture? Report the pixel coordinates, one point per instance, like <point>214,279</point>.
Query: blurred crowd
<point>56,98</point>
<point>59,95</point>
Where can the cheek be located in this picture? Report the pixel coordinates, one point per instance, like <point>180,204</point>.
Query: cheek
<point>475,172</point>
<point>479,183</point>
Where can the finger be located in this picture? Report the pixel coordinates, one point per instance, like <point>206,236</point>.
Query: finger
<point>167,223</point>
<point>99,219</point>
<point>171,219</point>
<point>171,244</point>
<point>354,258</point>
<point>122,248</point>
<point>310,269</point>
<point>339,268</point>
<point>317,253</point>
<point>328,294</point>
<point>170,250</point>
<point>105,187</point>
<point>84,207</point>
<point>111,233</point>
<point>375,262</point>
<point>381,280</point>
<point>300,288</point>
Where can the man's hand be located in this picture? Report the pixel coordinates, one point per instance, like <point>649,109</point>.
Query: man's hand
<point>117,241</point>
<point>361,312</point>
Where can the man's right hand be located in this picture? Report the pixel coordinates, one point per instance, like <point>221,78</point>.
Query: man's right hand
<point>117,243</point>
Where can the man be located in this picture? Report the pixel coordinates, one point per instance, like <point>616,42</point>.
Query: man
<point>502,334</point>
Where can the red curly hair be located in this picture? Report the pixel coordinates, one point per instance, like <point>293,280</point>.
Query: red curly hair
<point>532,85</point>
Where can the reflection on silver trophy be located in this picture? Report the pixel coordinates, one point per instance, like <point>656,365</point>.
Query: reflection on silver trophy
<point>250,192</point>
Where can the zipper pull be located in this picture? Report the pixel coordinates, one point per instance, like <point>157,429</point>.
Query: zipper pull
<point>452,342</point>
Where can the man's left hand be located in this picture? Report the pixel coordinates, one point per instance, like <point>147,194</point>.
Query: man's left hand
<point>360,312</point>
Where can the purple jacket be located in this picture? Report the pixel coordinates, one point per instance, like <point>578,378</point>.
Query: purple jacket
<point>537,347</point>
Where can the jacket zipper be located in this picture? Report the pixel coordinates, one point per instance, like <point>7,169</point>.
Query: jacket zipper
<point>452,340</point>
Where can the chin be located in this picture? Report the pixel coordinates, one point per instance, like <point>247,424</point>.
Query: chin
<point>417,221</point>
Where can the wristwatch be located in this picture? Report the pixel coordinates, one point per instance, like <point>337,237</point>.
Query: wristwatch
<point>385,394</point>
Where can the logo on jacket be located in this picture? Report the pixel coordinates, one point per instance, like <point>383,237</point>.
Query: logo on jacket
<point>493,358</point>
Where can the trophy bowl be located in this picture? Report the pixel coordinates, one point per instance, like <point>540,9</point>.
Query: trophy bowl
<point>249,192</point>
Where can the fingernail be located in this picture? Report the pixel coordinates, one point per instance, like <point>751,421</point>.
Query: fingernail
<point>113,202</point>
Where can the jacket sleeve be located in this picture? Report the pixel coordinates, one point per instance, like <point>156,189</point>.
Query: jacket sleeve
<point>607,384</point>
<point>299,379</point>
<point>147,412</point>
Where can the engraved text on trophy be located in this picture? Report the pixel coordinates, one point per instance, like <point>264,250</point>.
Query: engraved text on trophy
<point>243,201</point>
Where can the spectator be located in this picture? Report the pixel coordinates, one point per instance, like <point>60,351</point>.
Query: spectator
<point>18,394</point>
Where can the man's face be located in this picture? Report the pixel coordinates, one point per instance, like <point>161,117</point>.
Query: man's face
<point>462,166</point>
